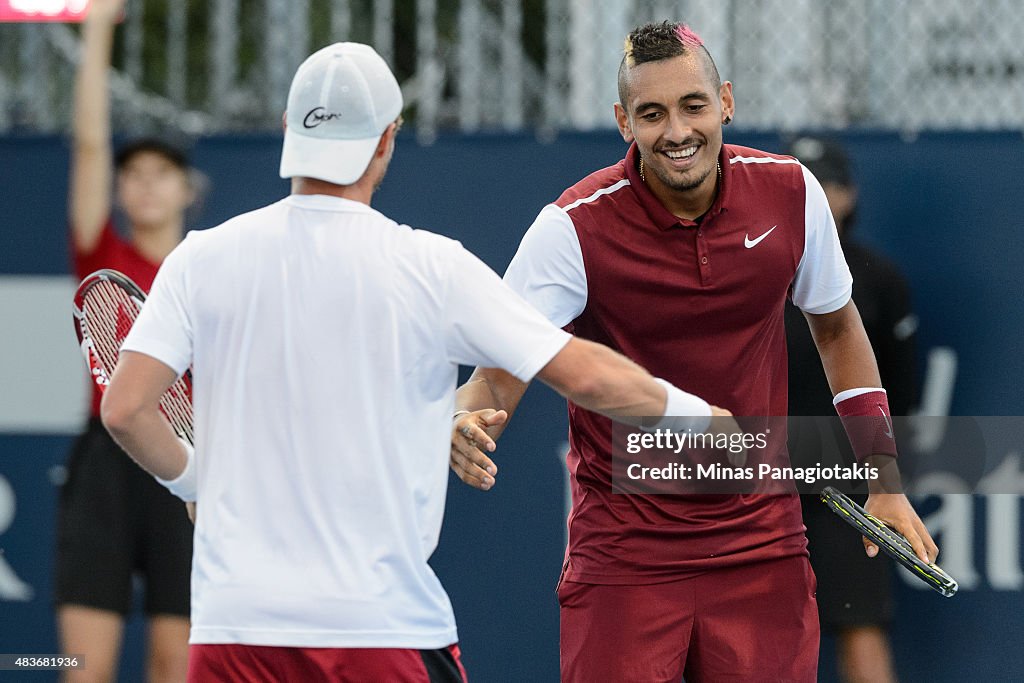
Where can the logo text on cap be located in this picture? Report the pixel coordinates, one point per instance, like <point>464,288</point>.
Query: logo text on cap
<point>317,116</point>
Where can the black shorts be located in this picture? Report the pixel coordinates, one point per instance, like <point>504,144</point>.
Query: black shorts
<point>853,589</point>
<point>114,520</point>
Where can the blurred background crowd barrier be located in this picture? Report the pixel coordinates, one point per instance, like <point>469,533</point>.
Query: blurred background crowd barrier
<point>214,66</point>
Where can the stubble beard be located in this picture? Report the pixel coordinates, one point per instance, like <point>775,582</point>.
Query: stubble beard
<point>683,185</point>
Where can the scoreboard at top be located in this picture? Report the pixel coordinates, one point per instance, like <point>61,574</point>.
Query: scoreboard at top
<point>43,10</point>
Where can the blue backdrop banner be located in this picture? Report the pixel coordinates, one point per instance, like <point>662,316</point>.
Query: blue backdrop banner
<point>946,207</point>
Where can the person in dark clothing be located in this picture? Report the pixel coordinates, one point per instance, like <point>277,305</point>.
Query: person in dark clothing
<point>854,591</point>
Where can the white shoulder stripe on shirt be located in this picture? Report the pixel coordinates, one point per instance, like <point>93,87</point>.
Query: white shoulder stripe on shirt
<point>603,191</point>
<point>761,160</point>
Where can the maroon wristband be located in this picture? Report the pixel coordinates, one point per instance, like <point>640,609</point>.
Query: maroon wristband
<point>868,424</point>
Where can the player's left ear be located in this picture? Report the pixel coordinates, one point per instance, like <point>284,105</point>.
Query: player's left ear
<point>727,101</point>
<point>622,119</point>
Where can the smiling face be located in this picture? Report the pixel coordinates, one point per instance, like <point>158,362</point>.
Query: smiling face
<point>673,111</point>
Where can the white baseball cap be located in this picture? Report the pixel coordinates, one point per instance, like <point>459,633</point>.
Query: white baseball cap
<point>342,99</point>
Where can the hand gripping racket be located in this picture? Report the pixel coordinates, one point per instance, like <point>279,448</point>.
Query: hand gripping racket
<point>106,306</point>
<point>892,543</point>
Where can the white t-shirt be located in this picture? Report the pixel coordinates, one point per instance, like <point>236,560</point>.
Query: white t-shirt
<point>324,340</point>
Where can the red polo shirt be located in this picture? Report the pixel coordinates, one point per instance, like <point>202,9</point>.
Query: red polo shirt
<point>701,305</point>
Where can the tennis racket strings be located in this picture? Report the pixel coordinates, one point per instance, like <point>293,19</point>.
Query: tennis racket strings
<point>107,304</point>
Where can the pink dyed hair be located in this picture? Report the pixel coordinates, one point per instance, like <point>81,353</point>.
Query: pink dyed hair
<point>688,37</point>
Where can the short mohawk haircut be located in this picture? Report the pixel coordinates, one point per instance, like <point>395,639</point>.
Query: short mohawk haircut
<point>655,42</point>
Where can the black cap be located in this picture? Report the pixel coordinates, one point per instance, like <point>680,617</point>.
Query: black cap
<point>155,145</point>
<point>825,158</point>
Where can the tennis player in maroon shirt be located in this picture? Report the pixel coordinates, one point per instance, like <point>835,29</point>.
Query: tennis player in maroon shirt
<point>681,256</point>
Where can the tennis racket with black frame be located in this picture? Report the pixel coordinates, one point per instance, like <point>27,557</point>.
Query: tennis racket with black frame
<point>106,305</point>
<point>893,543</point>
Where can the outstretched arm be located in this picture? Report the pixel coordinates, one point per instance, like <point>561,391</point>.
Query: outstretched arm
<point>91,155</point>
<point>599,379</point>
<point>849,363</point>
<point>491,326</point>
<point>590,375</point>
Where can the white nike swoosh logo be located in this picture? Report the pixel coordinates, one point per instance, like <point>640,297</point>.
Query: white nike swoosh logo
<point>750,244</point>
<point>888,424</point>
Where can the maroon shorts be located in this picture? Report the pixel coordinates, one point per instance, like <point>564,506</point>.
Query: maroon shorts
<point>749,623</point>
<point>246,663</point>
